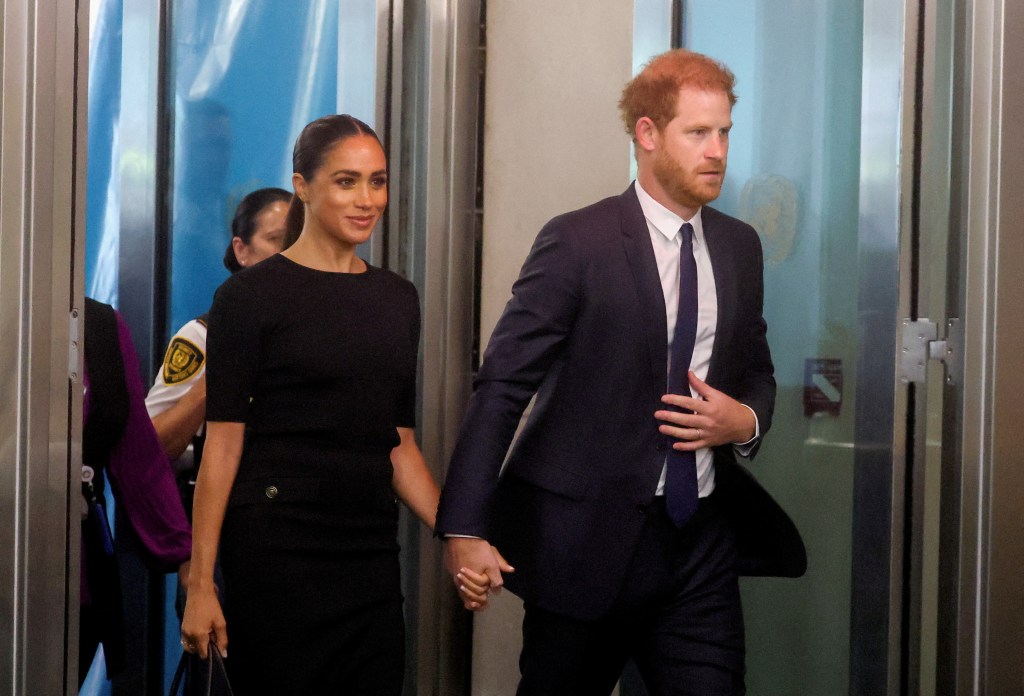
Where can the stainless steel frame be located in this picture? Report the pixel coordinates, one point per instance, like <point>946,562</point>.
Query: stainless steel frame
<point>924,262</point>
<point>432,235</point>
<point>42,175</point>
<point>989,166</point>
<point>880,410</point>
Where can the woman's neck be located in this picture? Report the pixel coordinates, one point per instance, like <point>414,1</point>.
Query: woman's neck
<point>324,254</point>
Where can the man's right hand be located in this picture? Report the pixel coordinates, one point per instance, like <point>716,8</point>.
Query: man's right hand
<point>476,568</point>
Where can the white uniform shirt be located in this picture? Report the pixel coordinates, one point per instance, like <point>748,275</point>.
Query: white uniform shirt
<point>663,226</point>
<point>184,362</point>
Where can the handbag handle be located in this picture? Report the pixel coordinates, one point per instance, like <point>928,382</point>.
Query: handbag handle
<point>213,657</point>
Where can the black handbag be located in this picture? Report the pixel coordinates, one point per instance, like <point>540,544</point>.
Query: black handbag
<point>209,681</point>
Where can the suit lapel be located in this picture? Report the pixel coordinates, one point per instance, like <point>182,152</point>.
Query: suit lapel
<point>720,251</point>
<point>637,245</point>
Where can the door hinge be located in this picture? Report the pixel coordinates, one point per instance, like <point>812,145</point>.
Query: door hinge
<point>74,344</point>
<point>922,342</point>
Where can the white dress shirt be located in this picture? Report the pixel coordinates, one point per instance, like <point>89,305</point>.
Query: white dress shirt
<point>664,228</point>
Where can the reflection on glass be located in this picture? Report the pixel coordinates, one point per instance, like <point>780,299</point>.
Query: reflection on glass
<point>794,175</point>
<point>652,34</point>
<point>102,223</point>
<point>247,75</point>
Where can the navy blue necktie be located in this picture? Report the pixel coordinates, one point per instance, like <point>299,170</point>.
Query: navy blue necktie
<point>681,472</point>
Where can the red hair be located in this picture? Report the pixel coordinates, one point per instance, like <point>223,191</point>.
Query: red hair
<point>654,92</point>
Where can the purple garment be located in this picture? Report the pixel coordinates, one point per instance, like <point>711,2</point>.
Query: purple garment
<point>140,474</point>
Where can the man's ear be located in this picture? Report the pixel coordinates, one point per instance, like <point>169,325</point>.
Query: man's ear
<point>646,134</point>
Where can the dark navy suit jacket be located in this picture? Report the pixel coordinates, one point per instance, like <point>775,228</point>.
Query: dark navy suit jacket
<point>585,331</point>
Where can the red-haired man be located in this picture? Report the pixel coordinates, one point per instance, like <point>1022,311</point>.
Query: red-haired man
<point>637,322</point>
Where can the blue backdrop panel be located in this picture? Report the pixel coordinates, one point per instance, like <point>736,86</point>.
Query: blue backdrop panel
<point>102,181</point>
<point>247,76</point>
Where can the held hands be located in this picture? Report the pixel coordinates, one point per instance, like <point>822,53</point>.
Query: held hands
<point>203,619</point>
<point>716,418</point>
<point>476,568</point>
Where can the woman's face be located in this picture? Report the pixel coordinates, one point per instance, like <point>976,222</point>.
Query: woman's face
<point>268,237</point>
<point>348,193</point>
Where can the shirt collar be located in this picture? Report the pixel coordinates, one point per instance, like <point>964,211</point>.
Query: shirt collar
<point>664,220</point>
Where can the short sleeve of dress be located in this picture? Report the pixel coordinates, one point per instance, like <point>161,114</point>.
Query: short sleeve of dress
<point>405,413</point>
<point>232,351</point>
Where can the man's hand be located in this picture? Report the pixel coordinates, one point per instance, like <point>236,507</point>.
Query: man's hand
<point>476,568</point>
<point>716,419</point>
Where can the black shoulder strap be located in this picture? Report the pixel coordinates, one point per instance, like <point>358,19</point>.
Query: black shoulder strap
<point>204,319</point>
<point>108,402</point>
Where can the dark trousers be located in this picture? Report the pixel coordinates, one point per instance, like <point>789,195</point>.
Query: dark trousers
<point>678,616</point>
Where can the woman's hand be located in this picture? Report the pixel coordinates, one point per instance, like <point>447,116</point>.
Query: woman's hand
<point>475,588</point>
<point>476,568</point>
<point>203,619</point>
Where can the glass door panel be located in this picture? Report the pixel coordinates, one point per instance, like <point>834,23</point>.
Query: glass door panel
<point>807,169</point>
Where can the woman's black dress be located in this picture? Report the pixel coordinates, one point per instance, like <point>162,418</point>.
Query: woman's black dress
<point>321,367</point>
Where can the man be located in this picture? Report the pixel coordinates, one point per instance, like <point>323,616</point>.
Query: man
<point>618,504</point>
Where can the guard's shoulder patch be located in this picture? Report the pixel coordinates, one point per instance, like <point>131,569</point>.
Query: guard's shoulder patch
<point>183,360</point>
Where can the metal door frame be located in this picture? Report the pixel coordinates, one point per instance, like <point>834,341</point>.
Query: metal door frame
<point>984,524</point>
<point>433,224</point>
<point>42,175</point>
<point>978,609</point>
<point>880,427</point>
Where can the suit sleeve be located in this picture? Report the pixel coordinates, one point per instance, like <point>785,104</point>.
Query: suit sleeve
<point>526,342</point>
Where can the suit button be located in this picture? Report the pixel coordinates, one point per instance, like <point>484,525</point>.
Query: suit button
<point>271,492</point>
<point>642,508</point>
<point>661,445</point>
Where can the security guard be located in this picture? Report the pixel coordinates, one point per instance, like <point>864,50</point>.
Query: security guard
<point>177,399</point>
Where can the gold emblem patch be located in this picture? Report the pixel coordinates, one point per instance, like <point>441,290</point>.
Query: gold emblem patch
<point>183,360</point>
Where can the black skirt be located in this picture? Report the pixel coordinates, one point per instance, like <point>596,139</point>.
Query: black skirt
<point>312,592</point>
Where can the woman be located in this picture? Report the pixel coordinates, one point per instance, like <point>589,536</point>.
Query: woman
<point>177,400</point>
<point>310,414</point>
